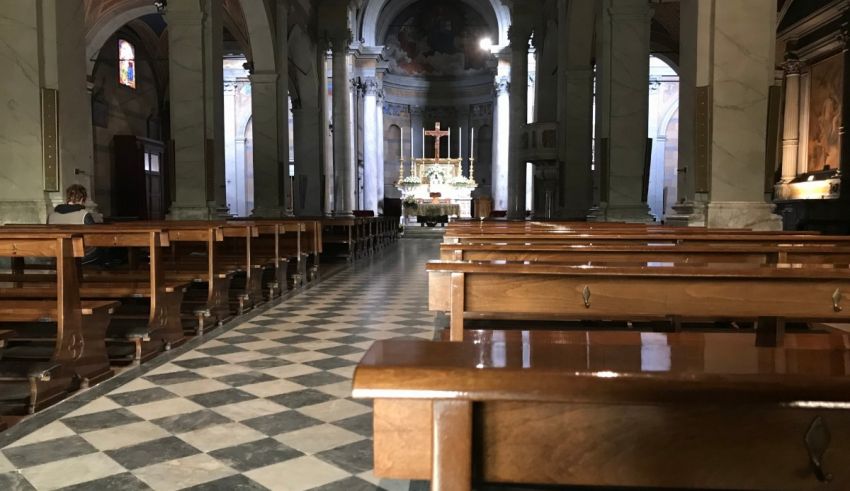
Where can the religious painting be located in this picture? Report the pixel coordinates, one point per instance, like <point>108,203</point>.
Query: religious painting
<point>825,114</point>
<point>126,64</point>
<point>437,38</point>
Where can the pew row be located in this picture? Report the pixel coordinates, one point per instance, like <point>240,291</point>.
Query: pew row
<point>678,411</point>
<point>77,358</point>
<point>770,294</point>
<point>677,253</point>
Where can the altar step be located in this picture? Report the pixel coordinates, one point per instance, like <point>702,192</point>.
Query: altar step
<point>414,231</point>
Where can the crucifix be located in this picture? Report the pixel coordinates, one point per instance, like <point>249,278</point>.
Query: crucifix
<point>437,134</point>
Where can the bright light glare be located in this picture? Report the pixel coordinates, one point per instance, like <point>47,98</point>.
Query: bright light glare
<point>485,44</point>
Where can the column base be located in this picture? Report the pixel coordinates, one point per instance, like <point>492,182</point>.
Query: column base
<point>687,214</point>
<point>742,214</point>
<point>24,212</point>
<point>621,213</point>
<point>343,214</point>
<point>193,212</point>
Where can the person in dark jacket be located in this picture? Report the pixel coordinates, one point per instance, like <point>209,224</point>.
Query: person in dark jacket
<point>73,211</point>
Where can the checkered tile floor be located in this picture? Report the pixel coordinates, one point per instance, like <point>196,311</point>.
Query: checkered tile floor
<point>265,405</point>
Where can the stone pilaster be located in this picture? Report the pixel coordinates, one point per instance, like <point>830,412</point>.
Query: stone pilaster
<point>268,169</point>
<point>743,63</point>
<point>194,169</point>
<point>43,44</point>
<point>694,84</point>
<point>519,36</point>
<point>282,61</point>
<point>575,107</point>
<point>626,90</point>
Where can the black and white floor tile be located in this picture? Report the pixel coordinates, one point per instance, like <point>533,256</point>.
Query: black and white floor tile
<point>264,405</point>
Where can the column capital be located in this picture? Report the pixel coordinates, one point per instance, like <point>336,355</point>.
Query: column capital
<point>339,40</point>
<point>371,87</point>
<point>502,85</point>
<point>792,66</point>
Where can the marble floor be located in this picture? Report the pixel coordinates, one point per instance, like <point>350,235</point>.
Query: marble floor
<point>262,405</point>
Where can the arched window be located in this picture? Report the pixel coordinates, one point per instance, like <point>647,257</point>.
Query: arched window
<point>126,64</point>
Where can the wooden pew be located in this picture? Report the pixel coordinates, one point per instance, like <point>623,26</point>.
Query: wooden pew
<point>639,237</point>
<point>78,355</point>
<point>612,409</point>
<point>678,253</point>
<point>769,294</point>
<point>149,317</point>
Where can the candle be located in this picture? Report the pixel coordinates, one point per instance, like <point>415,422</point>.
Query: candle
<point>423,143</point>
<point>460,143</point>
<point>401,151</point>
<point>450,142</point>
<point>472,143</point>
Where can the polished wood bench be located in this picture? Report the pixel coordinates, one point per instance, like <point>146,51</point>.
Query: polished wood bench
<point>149,318</point>
<point>678,411</point>
<point>769,294</point>
<point>30,380</point>
<point>678,253</point>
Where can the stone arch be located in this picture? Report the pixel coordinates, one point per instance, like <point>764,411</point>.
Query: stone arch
<point>105,26</point>
<point>379,13</point>
<point>258,20</point>
<point>668,60</point>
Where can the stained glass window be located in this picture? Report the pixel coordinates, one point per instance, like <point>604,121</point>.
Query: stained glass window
<point>126,63</point>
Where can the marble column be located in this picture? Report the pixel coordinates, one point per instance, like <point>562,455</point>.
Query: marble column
<point>326,100</point>
<point>791,121</point>
<point>343,148</point>
<point>575,107</point>
<point>370,145</point>
<point>501,133</point>
<point>43,44</point>
<point>194,178</point>
<point>743,71</point>
<point>268,170</point>
<point>379,127</point>
<point>235,198</point>
<point>627,112</point>
<point>519,36</point>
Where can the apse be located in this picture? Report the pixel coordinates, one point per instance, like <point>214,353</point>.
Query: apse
<point>438,72</point>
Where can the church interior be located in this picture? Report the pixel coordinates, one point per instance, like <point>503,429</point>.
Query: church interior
<point>465,244</point>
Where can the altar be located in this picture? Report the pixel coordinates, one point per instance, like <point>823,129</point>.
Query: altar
<point>438,181</point>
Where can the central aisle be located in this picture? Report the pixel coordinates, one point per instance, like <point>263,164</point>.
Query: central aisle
<point>263,406</point>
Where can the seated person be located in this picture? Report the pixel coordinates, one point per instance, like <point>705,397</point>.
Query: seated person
<point>74,212</point>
